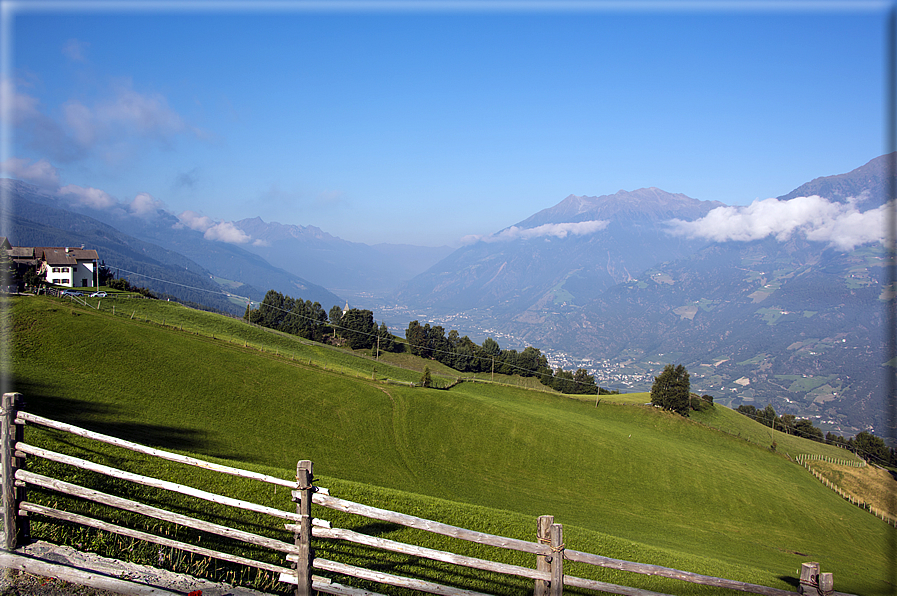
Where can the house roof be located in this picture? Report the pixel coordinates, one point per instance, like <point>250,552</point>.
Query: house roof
<point>57,255</point>
<point>22,252</point>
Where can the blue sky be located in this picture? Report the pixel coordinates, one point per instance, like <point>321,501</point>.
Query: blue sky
<point>422,125</point>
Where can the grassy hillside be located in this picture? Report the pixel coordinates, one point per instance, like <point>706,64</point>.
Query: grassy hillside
<point>635,482</point>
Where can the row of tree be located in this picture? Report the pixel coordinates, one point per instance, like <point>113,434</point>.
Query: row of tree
<point>868,446</point>
<point>464,355</point>
<point>787,423</point>
<point>354,328</point>
<point>865,444</point>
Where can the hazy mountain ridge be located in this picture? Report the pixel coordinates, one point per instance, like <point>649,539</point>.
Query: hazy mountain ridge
<point>35,224</point>
<point>35,217</point>
<point>649,204</point>
<point>553,264</point>
<point>867,184</point>
<point>350,268</point>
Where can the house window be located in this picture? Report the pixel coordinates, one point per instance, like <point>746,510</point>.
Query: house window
<point>55,269</point>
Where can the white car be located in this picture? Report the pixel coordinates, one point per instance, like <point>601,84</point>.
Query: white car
<point>98,295</point>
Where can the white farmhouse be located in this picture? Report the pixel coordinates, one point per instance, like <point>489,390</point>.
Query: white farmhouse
<point>64,266</point>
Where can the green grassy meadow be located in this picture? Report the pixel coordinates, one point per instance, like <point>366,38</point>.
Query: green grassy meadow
<point>628,481</point>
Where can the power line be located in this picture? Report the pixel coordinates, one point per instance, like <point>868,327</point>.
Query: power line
<point>174,283</point>
<point>534,373</point>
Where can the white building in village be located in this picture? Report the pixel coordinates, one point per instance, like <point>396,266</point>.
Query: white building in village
<point>65,266</point>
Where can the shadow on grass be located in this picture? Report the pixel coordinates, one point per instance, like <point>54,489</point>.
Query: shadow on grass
<point>39,399</point>
<point>377,528</point>
<point>791,581</point>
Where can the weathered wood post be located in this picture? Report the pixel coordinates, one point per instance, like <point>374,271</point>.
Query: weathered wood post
<point>813,582</point>
<point>543,563</point>
<point>557,560</point>
<point>304,479</point>
<point>13,527</point>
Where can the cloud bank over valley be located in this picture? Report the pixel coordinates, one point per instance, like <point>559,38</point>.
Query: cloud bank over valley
<point>223,231</point>
<point>551,230</point>
<point>840,225</point>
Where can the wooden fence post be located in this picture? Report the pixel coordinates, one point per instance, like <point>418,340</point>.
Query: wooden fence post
<point>304,478</point>
<point>13,528</point>
<point>543,536</point>
<point>557,560</point>
<point>813,582</point>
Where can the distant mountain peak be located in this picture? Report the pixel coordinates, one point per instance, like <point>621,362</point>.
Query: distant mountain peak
<point>650,203</point>
<point>274,231</point>
<point>867,184</point>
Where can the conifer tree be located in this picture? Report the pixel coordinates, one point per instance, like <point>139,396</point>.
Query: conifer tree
<point>425,379</point>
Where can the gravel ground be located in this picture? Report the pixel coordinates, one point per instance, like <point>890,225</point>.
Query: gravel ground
<point>42,557</point>
<point>16,583</point>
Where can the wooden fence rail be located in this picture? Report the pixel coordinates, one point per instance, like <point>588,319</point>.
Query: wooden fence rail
<point>298,555</point>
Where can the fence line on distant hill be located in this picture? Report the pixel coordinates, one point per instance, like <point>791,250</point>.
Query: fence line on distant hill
<point>857,464</point>
<point>879,513</point>
<point>806,457</point>
<point>549,550</point>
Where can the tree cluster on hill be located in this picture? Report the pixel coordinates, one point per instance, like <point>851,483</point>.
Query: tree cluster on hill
<point>125,286</point>
<point>787,423</point>
<point>868,446</point>
<point>354,328</point>
<point>291,315</point>
<point>865,444</point>
<point>672,391</point>
<point>462,354</point>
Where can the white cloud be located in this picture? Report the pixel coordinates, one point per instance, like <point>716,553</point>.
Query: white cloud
<point>147,114</point>
<point>127,113</point>
<point>838,224</point>
<point>223,231</point>
<point>21,106</point>
<point>195,221</point>
<point>226,231</point>
<point>40,173</point>
<point>89,197</point>
<point>556,230</point>
<point>145,204</point>
<point>115,125</point>
<point>141,205</point>
<point>81,123</point>
<point>75,50</point>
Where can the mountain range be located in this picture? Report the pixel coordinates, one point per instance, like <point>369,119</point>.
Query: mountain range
<point>621,284</point>
<point>792,318</point>
<point>560,256</point>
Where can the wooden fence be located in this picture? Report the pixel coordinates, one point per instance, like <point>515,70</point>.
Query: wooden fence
<point>879,513</point>
<point>549,550</point>
<point>803,458</point>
